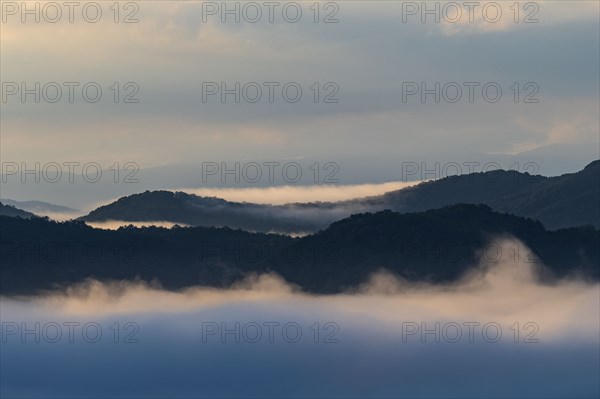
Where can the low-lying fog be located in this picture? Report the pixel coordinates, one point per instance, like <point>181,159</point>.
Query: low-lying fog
<point>280,195</point>
<point>497,333</point>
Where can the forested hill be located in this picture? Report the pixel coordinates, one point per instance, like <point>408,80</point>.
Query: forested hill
<point>437,245</point>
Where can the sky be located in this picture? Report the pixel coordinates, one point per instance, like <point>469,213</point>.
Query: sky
<point>363,58</point>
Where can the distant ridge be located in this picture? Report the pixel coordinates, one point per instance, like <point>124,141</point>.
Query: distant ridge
<point>38,207</point>
<point>562,201</point>
<point>11,211</point>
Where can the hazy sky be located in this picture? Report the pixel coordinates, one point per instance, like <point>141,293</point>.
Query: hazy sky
<point>366,60</point>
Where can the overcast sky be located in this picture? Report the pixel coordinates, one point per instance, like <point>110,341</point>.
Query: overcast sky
<point>368,58</point>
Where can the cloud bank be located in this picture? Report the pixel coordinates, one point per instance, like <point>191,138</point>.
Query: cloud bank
<point>188,343</point>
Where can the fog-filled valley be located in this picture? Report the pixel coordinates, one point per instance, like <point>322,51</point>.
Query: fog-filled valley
<point>389,338</point>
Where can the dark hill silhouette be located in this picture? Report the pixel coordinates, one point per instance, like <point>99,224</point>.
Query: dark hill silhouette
<point>437,245</point>
<point>563,201</point>
<point>38,207</point>
<point>189,209</point>
<point>11,211</point>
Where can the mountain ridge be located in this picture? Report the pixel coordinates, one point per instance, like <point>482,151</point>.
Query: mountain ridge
<point>435,246</point>
<point>567,200</point>
<point>12,211</point>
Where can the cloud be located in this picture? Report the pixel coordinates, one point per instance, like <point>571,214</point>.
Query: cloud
<point>291,194</point>
<point>369,53</point>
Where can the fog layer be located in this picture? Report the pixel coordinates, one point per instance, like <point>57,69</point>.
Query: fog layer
<point>499,332</point>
